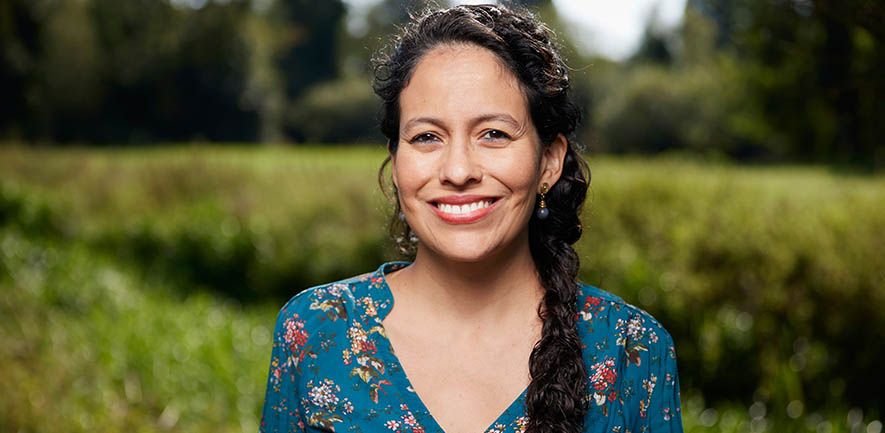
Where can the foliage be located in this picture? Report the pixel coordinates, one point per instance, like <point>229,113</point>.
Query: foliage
<point>341,111</point>
<point>811,69</point>
<point>89,347</point>
<point>130,262</point>
<point>102,70</point>
<point>767,272</point>
<point>752,80</point>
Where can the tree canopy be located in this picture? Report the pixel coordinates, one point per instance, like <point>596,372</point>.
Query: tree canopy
<point>755,80</point>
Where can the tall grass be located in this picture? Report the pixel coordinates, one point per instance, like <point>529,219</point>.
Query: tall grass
<point>138,285</point>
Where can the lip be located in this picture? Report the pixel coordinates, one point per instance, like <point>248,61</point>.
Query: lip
<point>463,199</point>
<point>459,200</point>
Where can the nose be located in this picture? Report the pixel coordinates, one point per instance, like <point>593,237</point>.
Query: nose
<point>459,165</point>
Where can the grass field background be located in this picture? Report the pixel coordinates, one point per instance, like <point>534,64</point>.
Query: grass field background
<point>138,287</point>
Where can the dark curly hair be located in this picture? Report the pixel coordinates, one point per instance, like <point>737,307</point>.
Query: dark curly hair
<point>556,399</point>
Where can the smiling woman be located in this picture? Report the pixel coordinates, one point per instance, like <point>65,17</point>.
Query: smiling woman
<point>486,329</point>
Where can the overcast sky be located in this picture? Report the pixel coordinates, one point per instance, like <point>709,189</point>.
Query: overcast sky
<point>612,28</point>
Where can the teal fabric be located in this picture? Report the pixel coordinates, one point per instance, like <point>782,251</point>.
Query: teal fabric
<point>332,367</point>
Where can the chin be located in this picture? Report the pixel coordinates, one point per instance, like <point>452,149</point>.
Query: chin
<point>462,252</point>
<point>466,258</point>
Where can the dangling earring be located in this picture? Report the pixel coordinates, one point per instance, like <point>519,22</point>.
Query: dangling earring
<point>401,216</point>
<point>543,212</point>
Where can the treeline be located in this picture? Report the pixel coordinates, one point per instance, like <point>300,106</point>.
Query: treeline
<point>106,71</point>
<point>758,80</point>
<point>797,80</point>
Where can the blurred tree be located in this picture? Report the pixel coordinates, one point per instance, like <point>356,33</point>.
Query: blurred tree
<point>173,73</point>
<point>655,45</point>
<point>70,73</point>
<point>758,79</point>
<point>814,67</point>
<point>378,26</point>
<point>308,54</point>
<point>311,34</point>
<point>21,45</point>
<point>109,71</point>
<point>211,77</point>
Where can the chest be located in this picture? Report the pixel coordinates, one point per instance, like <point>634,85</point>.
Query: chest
<point>465,383</point>
<point>358,380</point>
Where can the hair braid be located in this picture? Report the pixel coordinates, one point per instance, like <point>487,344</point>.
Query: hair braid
<point>559,375</point>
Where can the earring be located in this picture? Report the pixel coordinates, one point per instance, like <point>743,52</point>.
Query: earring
<point>543,212</point>
<point>401,216</point>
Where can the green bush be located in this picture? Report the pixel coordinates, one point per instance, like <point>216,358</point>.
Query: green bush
<point>650,109</point>
<point>769,279</point>
<point>87,346</point>
<point>340,111</point>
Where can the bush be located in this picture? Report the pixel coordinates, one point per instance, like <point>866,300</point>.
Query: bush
<point>344,111</point>
<point>89,347</point>
<point>768,278</point>
<point>651,109</point>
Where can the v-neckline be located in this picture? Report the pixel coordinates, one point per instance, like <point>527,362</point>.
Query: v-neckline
<point>400,379</point>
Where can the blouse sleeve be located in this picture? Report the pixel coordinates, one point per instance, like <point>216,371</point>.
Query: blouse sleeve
<point>281,412</point>
<point>664,411</point>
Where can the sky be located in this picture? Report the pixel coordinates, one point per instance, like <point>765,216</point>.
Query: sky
<point>614,28</point>
<point>611,28</point>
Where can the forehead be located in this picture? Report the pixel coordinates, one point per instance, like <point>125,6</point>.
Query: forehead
<point>462,79</point>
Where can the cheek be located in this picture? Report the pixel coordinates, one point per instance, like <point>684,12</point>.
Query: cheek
<point>410,173</point>
<point>517,170</point>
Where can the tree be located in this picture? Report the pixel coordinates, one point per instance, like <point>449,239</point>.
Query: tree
<point>814,67</point>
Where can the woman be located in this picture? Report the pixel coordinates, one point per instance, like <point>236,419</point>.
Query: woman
<point>490,330</point>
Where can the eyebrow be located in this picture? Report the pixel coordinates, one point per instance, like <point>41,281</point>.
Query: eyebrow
<point>502,117</point>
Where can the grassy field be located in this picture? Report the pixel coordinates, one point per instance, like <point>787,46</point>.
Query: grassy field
<point>138,286</point>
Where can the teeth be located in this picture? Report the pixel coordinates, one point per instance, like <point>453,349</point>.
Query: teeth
<point>463,209</point>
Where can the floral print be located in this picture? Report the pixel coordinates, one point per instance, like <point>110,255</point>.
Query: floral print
<point>332,368</point>
<point>323,396</point>
<point>603,379</point>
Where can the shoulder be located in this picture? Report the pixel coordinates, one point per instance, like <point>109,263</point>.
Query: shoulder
<point>603,315</point>
<point>362,298</point>
<point>323,305</point>
<point>631,362</point>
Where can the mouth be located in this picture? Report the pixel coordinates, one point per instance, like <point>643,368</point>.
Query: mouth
<point>463,209</point>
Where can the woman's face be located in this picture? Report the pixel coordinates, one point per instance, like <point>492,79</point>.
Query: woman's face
<point>469,161</point>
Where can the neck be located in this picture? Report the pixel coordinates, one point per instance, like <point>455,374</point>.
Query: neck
<point>501,287</point>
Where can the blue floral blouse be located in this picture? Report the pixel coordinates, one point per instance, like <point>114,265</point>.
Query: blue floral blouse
<point>332,367</point>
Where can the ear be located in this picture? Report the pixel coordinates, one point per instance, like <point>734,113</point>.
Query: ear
<point>392,157</point>
<point>553,159</point>
<point>393,173</point>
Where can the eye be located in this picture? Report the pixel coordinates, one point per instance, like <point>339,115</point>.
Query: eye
<point>424,137</point>
<point>495,135</point>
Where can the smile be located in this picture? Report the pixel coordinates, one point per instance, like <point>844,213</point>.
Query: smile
<point>462,209</point>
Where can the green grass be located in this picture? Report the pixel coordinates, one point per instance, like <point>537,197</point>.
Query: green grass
<point>138,285</point>
<point>88,347</point>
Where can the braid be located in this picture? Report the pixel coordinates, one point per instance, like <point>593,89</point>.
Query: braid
<point>556,397</point>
